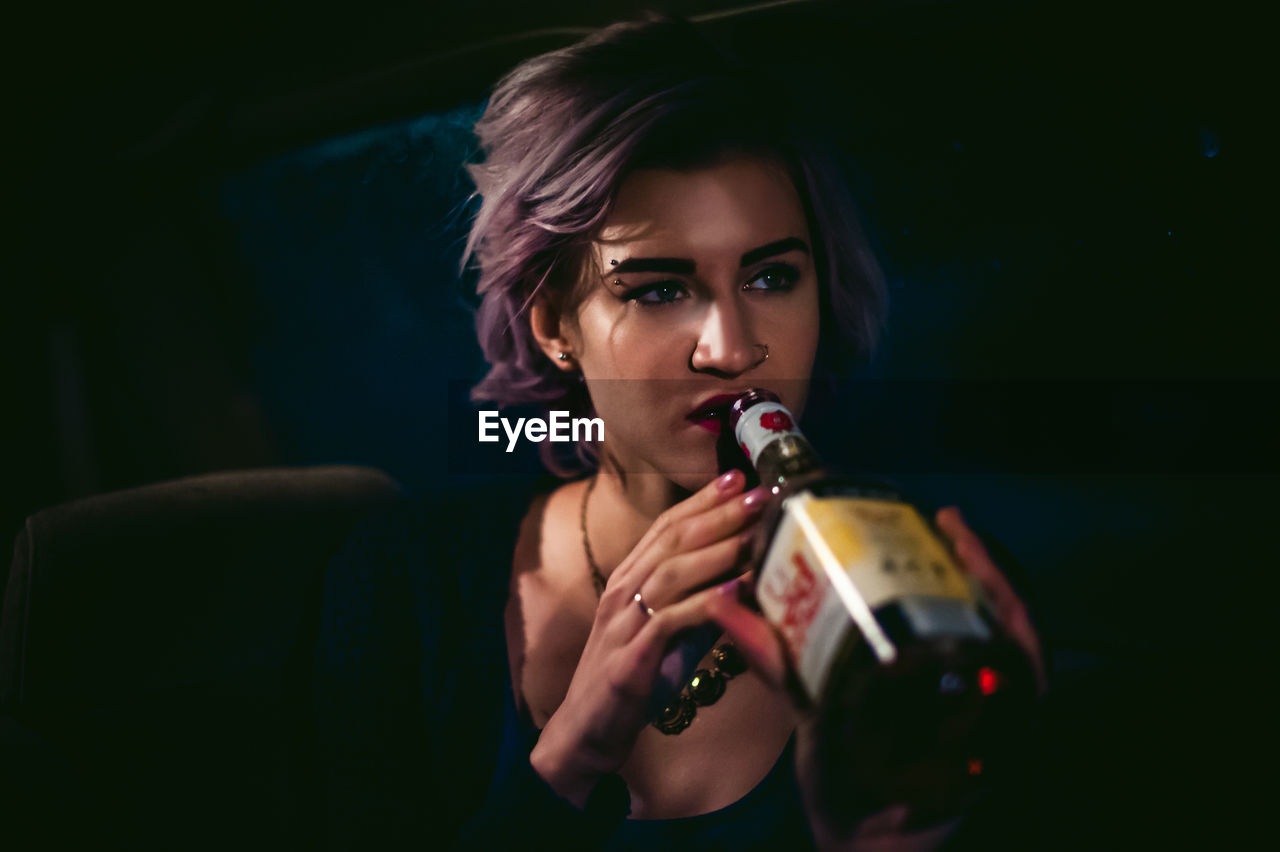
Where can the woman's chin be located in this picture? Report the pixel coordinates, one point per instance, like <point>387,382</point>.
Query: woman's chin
<point>690,458</point>
<point>693,470</point>
<point>692,482</point>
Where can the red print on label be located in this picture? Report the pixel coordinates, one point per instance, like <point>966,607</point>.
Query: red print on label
<point>776,421</point>
<point>745,451</point>
<point>801,599</point>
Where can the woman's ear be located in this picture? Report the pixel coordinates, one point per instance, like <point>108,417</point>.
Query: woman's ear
<point>549,329</point>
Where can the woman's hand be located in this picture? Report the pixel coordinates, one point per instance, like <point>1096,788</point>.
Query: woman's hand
<point>697,542</point>
<point>1010,611</point>
<point>764,649</point>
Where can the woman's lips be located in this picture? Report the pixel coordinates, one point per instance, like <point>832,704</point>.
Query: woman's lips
<point>712,413</point>
<point>711,424</point>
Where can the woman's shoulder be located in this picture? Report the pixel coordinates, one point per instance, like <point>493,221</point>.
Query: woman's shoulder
<point>549,523</point>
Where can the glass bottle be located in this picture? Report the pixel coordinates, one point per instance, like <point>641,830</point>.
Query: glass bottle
<point>918,696</point>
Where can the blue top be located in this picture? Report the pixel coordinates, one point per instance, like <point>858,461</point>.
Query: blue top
<point>420,740</point>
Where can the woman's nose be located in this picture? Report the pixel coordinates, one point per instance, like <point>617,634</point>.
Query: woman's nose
<point>725,345</point>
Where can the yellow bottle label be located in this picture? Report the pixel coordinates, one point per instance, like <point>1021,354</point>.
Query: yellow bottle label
<point>835,559</point>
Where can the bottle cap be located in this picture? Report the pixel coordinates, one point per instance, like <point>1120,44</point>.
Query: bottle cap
<point>745,400</point>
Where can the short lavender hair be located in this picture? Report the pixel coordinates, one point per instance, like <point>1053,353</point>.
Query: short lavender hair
<point>563,130</point>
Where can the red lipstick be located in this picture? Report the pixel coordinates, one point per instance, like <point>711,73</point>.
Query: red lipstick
<point>712,413</point>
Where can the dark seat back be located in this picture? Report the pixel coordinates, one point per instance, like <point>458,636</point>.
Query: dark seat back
<point>158,642</point>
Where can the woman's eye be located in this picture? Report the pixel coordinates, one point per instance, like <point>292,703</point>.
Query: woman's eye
<point>662,293</point>
<point>779,277</point>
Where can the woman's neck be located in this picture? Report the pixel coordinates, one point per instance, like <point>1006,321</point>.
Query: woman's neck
<point>621,508</point>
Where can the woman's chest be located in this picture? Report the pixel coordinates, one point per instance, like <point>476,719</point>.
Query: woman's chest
<point>722,755</point>
<point>727,749</point>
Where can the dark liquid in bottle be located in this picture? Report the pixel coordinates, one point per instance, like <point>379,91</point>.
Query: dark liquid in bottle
<point>931,708</point>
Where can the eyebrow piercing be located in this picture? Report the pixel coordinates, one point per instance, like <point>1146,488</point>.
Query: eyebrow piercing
<point>613,263</point>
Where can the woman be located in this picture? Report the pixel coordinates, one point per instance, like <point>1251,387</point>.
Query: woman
<point>656,235</point>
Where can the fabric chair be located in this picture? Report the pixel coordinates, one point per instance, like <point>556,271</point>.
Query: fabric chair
<point>155,656</point>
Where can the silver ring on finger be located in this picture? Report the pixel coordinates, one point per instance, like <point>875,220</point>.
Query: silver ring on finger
<point>644,607</point>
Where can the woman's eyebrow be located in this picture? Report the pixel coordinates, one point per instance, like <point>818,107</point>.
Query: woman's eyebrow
<point>675,265</point>
<point>779,247</point>
<point>682,266</point>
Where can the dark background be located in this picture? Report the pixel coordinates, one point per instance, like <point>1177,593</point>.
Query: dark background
<point>237,231</point>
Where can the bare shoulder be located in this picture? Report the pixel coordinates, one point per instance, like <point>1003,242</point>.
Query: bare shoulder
<point>552,602</point>
<point>547,549</point>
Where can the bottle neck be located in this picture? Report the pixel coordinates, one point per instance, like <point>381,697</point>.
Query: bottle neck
<point>768,434</point>
<point>787,460</point>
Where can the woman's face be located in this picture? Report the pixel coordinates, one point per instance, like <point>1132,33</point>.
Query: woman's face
<point>694,273</point>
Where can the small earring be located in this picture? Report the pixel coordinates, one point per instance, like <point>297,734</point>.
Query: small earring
<point>564,356</point>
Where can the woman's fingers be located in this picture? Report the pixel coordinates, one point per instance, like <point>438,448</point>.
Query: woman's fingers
<point>714,493</point>
<point>711,495</point>
<point>686,527</point>
<point>973,553</point>
<point>628,671</point>
<point>752,633</point>
<point>1010,609</point>
<point>685,573</point>
<point>685,531</point>
<point>723,605</point>
<point>606,704</point>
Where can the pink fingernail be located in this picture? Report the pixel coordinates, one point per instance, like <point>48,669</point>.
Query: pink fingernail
<point>741,590</point>
<point>755,499</point>
<point>728,482</point>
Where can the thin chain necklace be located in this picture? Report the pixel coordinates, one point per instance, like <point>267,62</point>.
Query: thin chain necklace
<point>707,685</point>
